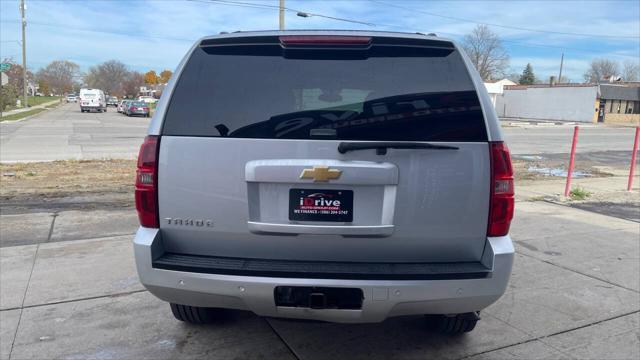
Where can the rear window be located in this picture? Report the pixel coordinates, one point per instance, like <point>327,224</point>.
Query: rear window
<point>377,96</point>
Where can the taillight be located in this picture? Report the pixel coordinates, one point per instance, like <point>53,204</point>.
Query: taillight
<point>502,192</point>
<point>145,109</point>
<point>324,40</point>
<point>147,183</point>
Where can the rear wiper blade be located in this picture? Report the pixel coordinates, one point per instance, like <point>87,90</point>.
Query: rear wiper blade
<point>382,146</point>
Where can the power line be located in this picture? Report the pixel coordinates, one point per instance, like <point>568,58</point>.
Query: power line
<point>102,32</point>
<point>536,45</point>
<point>277,8</point>
<point>239,4</point>
<point>506,26</point>
<point>264,6</point>
<point>517,43</point>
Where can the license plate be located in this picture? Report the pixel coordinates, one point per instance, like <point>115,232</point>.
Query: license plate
<point>320,205</point>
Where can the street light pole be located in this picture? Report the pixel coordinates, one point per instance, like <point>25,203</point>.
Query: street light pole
<point>281,15</point>
<point>24,54</point>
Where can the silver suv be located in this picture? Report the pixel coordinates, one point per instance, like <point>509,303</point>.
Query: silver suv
<point>331,175</point>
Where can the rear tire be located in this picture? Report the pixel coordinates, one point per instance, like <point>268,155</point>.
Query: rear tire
<point>195,314</point>
<point>453,325</point>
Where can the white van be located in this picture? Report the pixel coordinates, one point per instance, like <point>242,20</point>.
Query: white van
<point>92,99</point>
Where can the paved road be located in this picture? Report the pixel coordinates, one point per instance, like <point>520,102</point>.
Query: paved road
<point>66,133</point>
<point>557,139</point>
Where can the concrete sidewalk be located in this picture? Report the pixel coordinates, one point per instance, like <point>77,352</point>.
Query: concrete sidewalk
<point>574,294</point>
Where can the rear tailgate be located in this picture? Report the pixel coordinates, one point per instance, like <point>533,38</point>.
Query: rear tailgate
<point>250,168</point>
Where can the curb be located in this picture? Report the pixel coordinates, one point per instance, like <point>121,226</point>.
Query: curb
<point>544,124</point>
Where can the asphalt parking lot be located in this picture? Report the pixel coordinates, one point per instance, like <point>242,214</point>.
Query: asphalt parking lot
<point>72,292</point>
<point>69,289</point>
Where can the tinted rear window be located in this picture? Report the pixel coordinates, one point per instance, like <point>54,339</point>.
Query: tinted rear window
<point>253,93</point>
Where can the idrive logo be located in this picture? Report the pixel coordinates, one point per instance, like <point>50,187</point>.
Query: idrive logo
<point>319,201</point>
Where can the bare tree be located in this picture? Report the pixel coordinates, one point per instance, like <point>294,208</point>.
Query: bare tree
<point>486,52</point>
<point>59,75</point>
<point>133,82</point>
<point>631,70</point>
<point>601,69</point>
<point>108,76</point>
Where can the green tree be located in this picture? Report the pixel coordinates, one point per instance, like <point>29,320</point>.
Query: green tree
<point>527,77</point>
<point>8,96</point>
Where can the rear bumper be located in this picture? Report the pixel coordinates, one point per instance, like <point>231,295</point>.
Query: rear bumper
<point>382,298</point>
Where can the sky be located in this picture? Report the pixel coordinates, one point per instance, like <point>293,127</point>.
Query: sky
<point>155,34</point>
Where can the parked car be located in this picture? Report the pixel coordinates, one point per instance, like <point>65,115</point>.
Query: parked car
<point>126,106</point>
<point>371,180</point>
<point>92,99</point>
<point>148,99</point>
<point>120,107</point>
<point>137,108</point>
<point>71,98</point>
<point>112,101</point>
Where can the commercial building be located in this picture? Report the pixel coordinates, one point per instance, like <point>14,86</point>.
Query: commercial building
<point>619,104</point>
<point>587,103</point>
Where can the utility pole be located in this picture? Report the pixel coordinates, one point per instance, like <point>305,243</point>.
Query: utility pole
<point>560,75</point>
<point>24,53</point>
<point>281,15</point>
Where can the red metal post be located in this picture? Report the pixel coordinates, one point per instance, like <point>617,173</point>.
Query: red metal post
<point>567,188</point>
<point>633,159</point>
